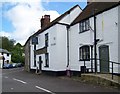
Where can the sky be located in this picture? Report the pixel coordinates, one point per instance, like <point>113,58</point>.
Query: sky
<point>21,18</point>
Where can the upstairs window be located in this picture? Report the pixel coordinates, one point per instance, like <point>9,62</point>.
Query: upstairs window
<point>84,53</point>
<point>7,54</point>
<point>84,25</point>
<point>46,40</point>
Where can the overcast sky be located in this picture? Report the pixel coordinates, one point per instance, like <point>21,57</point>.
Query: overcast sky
<point>19,20</point>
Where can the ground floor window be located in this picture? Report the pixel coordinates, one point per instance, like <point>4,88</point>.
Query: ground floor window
<point>84,53</point>
<point>46,60</point>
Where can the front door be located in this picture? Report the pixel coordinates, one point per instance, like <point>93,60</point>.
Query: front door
<point>40,63</point>
<point>104,58</point>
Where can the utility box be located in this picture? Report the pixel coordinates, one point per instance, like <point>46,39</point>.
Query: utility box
<point>83,69</point>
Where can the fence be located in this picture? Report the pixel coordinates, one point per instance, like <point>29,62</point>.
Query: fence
<point>84,69</point>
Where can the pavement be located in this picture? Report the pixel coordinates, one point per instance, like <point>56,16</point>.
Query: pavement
<point>18,80</point>
<point>116,79</point>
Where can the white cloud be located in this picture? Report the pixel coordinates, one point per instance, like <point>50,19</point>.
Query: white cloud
<point>3,33</point>
<point>25,18</point>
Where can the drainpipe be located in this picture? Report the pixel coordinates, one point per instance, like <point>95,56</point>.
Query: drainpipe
<point>34,55</point>
<point>91,58</point>
<point>67,44</point>
<point>95,48</point>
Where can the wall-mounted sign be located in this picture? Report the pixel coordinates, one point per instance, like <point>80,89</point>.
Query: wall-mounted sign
<point>53,44</point>
<point>35,40</point>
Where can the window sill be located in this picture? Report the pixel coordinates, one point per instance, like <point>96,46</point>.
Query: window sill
<point>46,66</point>
<point>84,31</point>
<point>84,60</point>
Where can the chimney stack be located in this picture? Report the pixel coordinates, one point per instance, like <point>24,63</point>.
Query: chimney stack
<point>45,20</point>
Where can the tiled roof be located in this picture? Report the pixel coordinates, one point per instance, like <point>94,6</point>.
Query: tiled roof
<point>4,51</point>
<point>52,23</point>
<point>55,21</point>
<point>94,8</point>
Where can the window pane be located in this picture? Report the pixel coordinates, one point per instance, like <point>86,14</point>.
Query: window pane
<point>46,40</point>
<point>84,53</point>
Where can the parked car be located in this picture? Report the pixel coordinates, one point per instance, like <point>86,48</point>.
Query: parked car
<point>14,65</point>
<point>7,66</point>
<point>19,64</point>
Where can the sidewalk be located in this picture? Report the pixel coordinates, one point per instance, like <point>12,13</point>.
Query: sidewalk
<point>115,79</point>
<point>98,79</point>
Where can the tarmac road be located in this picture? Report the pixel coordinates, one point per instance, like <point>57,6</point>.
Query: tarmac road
<point>18,80</point>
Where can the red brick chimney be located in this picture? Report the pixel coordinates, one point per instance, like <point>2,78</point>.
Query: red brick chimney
<point>45,20</point>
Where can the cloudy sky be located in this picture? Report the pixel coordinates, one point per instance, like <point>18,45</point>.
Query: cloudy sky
<point>21,18</point>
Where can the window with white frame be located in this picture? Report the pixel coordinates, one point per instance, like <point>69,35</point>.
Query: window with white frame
<point>84,53</point>
<point>84,25</point>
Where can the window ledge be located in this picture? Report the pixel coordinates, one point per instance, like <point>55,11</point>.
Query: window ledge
<point>46,66</point>
<point>84,60</point>
<point>84,31</point>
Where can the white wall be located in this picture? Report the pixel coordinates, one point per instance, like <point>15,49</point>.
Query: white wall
<point>61,47</point>
<point>51,49</point>
<point>77,40</point>
<point>1,63</point>
<point>71,17</point>
<point>32,55</point>
<point>6,58</point>
<point>107,32</point>
<point>57,47</point>
<point>118,37</point>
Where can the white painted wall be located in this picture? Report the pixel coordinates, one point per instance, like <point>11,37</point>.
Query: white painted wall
<point>118,37</point>
<point>71,17</point>
<point>76,41</point>
<point>57,46</point>
<point>6,58</point>
<point>32,55</point>
<point>107,32</point>
<point>61,47</point>
<point>1,63</point>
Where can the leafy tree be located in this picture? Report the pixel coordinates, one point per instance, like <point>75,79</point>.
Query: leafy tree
<point>17,53</point>
<point>16,50</point>
<point>6,43</point>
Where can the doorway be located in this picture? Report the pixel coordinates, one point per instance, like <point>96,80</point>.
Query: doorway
<point>104,58</point>
<point>40,63</point>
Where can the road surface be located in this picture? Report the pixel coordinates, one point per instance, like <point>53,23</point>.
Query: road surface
<point>18,80</point>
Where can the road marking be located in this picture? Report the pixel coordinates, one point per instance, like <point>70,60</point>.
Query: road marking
<point>6,77</point>
<point>44,89</point>
<point>20,81</point>
<point>11,88</point>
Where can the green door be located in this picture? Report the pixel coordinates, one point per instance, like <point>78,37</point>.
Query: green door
<point>104,58</point>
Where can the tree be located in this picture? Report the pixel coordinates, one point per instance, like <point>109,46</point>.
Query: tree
<point>16,50</point>
<point>17,53</point>
<point>6,43</point>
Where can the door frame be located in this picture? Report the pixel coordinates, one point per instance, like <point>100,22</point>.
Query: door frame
<point>107,54</point>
